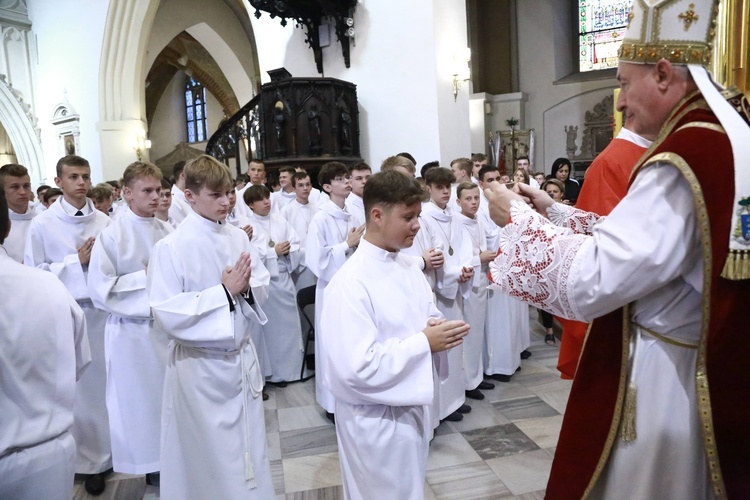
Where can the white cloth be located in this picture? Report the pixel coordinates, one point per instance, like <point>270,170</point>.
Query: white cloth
<point>135,351</point>
<point>213,439</point>
<point>380,370</point>
<point>15,243</point>
<point>449,296</point>
<point>180,208</point>
<point>300,217</point>
<point>280,199</point>
<point>355,205</point>
<point>326,252</point>
<point>52,245</point>
<point>318,197</point>
<point>43,351</point>
<point>647,253</point>
<point>475,305</point>
<point>241,207</point>
<point>282,334</point>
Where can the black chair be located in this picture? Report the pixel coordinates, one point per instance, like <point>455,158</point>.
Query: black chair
<point>305,298</point>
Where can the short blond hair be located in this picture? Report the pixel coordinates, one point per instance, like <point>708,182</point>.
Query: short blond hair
<point>394,162</point>
<point>138,170</point>
<point>100,192</point>
<point>206,171</point>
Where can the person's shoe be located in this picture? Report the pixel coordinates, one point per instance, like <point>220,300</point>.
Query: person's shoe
<point>277,384</point>
<point>475,394</point>
<point>331,417</point>
<point>153,478</point>
<point>454,417</point>
<point>485,386</point>
<point>464,409</point>
<point>549,339</point>
<point>95,484</point>
<point>265,396</point>
<point>526,354</point>
<point>501,378</point>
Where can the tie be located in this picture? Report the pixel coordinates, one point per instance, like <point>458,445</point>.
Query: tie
<point>79,213</point>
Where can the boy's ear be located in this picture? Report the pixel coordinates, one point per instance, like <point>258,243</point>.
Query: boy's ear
<point>189,196</point>
<point>327,188</point>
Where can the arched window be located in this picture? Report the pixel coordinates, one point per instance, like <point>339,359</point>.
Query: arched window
<point>195,110</point>
<point>601,27</point>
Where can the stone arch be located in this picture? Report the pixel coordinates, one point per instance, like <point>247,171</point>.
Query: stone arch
<point>23,135</point>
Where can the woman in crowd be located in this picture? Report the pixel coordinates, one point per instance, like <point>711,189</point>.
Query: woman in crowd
<point>562,170</point>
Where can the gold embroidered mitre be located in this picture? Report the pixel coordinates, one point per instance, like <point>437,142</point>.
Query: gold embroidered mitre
<point>680,31</point>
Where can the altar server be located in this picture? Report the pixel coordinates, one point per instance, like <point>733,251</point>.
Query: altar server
<point>286,194</point>
<point>299,213</point>
<point>135,351</point>
<point>16,183</point>
<point>381,335</point>
<point>44,335</point>
<point>180,208</point>
<point>60,240</point>
<point>359,174</point>
<point>205,291</point>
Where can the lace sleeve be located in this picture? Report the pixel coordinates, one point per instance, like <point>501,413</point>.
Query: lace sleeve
<point>535,261</point>
<point>566,216</point>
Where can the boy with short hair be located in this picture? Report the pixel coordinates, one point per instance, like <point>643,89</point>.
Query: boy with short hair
<point>452,283</point>
<point>256,171</point>
<point>101,195</point>
<point>285,195</point>
<point>60,240</point>
<point>359,173</point>
<point>16,183</point>
<point>478,160</point>
<point>474,307</point>
<point>331,239</point>
<point>462,169</point>
<point>399,163</point>
<point>205,290</point>
<point>299,214</point>
<point>278,244</point>
<point>382,377</point>
<point>136,351</point>
<point>51,195</point>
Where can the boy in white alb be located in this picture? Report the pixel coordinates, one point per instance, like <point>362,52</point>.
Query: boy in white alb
<point>286,194</point>
<point>180,208</point>
<point>135,351</point>
<point>299,214</point>
<point>60,240</point>
<point>278,244</point>
<point>474,306</point>
<point>331,240</point>
<point>204,289</point>
<point>382,334</point>
<point>452,283</point>
<point>17,186</point>
<point>256,172</point>
<point>359,173</point>
<point>44,351</point>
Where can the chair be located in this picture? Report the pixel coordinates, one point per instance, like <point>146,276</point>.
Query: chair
<point>305,298</point>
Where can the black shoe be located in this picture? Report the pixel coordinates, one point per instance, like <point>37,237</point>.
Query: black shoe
<point>464,409</point>
<point>475,394</point>
<point>153,478</point>
<point>485,386</point>
<point>454,417</point>
<point>277,384</point>
<point>549,339</point>
<point>501,378</point>
<point>525,354</point>
<point>95,484</point>
<point>331,417</point>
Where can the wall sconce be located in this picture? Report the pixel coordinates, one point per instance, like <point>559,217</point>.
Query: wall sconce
<point>461,70</point>
<point>140,143</point>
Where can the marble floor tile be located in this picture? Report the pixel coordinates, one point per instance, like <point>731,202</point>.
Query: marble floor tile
<point>302,417</point>
<point>542,382</point>
<point>525,408</point>
<point>534,495</point>
<point>306,442</point>
<point>499,441</point>
<point>483,414</point>
<point>506,390</point>
<point>297,394</point>
<point>311,472</point>
<point>277,474</point>
<point>556,399</point>
<point>330,493</point>
<point>448,450</point>
<point>543,431</point>
<point>551,451</point>
<point>272,421</point>
<point>273,446</point>
<point>475,481</point>
<point>270,403</point>
<point>444,428</point>
<point>523,473</point>
<point>428,493</point>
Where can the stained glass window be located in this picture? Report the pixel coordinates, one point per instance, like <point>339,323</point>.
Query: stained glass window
<point>195,110</point>
<point>601,27</point>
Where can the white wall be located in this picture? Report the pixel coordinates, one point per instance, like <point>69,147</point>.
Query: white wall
<point>69,47</point>
<point>398,64</point>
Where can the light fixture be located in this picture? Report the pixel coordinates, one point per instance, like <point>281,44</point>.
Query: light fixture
<point>140,143</point>
<point>461,71</point>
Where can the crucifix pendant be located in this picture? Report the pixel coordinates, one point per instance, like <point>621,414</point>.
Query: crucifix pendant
<point>450,250</point>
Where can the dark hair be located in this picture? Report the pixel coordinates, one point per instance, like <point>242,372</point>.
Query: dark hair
<point>71,161</point>
<point>478,157</point>
<point>13,169</point>
<point>288,169</point>
<point>485,170</point>
<point>330,171</point>
<point>165,184</point>
<point>427,166</point>
<point>4,217</point>
<point>439,177</point>
<point>42,188</point>
<point>256,193</point>
<point>359,166</point>
<point>52,192</point>
<point>298,176</point>
<point>116,184</point>
<point>390,188</point>
<point>559,163</point>
<point>523,157</point>
<point>177,170</point>
<point>408,157</point>
<point>464,186</point>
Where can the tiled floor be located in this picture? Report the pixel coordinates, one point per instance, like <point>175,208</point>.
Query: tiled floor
<point>502,449</point>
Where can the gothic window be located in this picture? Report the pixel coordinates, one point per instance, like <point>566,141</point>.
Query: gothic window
<point>195,110</point>
<point>601,27</point>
